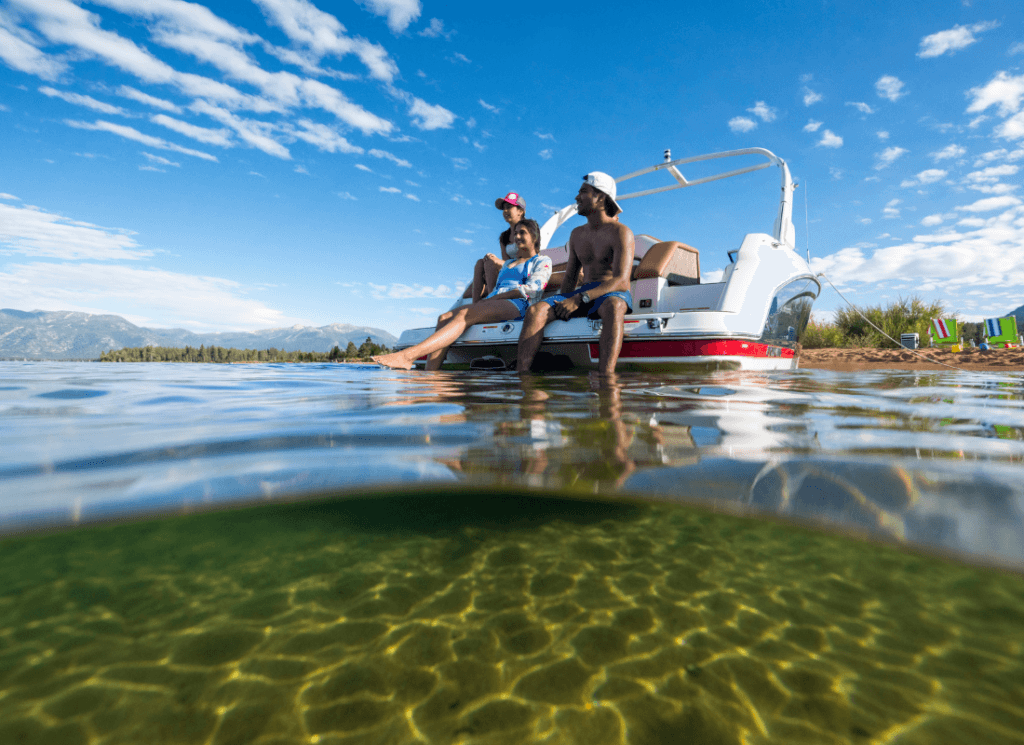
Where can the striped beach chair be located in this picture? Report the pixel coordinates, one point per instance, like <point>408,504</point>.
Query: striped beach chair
<point>1002,332</point>
<point>945,333</point>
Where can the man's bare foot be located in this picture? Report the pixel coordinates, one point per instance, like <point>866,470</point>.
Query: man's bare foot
<point>393,360</point>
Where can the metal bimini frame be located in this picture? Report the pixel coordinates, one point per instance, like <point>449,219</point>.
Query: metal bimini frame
<point>782,231</point>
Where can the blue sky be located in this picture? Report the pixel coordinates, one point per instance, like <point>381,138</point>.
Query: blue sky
<point>257,164</point>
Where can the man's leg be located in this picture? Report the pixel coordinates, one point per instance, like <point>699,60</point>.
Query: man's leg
<point>611,313</point>
<point>537,317</point>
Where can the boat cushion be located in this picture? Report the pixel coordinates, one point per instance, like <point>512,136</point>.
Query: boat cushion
<point>675,261</point>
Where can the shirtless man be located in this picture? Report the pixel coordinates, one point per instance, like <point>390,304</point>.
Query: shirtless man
<point>603,249</point>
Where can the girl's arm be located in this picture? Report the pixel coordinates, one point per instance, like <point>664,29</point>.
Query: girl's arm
<point>539,277</point>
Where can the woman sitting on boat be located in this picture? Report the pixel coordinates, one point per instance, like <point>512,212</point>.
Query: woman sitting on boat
<point>519,284</point>
<point>485,273</point>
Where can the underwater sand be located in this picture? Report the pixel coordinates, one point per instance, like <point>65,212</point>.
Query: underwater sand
<point>472,618</point>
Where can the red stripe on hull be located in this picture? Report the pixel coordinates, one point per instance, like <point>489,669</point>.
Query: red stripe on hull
<point>697,348</point>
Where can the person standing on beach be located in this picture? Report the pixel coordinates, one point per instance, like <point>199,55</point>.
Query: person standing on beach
<point>603,250</point>
<point>485,273</point>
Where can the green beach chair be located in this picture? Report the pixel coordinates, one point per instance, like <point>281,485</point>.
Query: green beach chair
<point>945,333</point>
<point>1002,331</point>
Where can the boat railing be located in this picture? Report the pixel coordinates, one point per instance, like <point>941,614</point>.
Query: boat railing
<point>782,230</point>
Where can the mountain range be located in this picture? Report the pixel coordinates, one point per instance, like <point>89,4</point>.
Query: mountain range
<point>67,335</point>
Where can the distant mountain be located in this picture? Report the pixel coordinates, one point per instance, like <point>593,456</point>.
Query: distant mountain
<point>65,335</point>
<point>1019,315</point>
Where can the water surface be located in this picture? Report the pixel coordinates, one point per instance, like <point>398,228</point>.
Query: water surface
<point>471,558</point>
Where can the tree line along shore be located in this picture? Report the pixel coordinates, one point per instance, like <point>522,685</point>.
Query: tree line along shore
<point>223,355</point>
<point>849,330</point>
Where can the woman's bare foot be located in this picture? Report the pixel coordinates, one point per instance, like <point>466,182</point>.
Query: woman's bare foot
<point>394,360</point>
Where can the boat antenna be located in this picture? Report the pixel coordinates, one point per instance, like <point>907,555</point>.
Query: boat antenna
<point>807,227</point>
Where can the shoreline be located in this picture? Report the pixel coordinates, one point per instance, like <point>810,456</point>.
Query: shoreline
<point>854,360</point>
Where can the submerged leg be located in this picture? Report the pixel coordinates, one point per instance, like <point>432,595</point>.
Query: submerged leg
<point>537,317</point>
<point>611,312</point>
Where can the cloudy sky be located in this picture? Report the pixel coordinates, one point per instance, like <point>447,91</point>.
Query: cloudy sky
<point>256,164</point>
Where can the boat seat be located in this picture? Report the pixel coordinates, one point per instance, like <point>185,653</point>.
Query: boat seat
<point>675,261</point>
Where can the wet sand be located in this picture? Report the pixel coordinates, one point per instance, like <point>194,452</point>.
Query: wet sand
<point>853,360</point>
<point>464,618</point>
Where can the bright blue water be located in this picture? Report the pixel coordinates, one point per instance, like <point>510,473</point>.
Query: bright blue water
<point>929,458</point>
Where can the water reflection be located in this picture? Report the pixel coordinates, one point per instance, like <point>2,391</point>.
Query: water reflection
<point>925,457</point>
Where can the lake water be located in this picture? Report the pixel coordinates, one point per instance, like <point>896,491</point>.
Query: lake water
<point>343,554</point>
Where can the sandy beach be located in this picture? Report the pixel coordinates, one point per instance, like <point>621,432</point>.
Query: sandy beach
<point>851,360</point>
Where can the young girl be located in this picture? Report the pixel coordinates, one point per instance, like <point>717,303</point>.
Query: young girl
<point>519,284</point>
<point>485,273</point>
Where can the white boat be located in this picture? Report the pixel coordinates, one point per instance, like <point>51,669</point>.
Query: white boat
<point>752,319</point>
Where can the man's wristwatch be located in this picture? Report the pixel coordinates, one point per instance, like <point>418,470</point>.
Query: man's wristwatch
<point>585,297</point>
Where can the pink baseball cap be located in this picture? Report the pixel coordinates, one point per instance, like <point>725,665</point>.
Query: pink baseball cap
<point>513,198</point>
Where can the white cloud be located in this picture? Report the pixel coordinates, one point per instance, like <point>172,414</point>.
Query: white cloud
<point>323,137</point>
<point>811,97</point>
<point>152,168</point>
<point>763,111</point>
<point>830,139</point>
<point>390,190</point>
<point>221,137</point>
<point>131,133</point>
<point>321,34</point>
<point>463,241</point>
<point>428,116</point>
<point>436,29</point>
<point>302,170</point>
<point>35,232</point>
<point>1012,128</point>
<point>952,40</point>
<point>492,109</point>
<point>199,303</point>
<point>933,220</point>
<point>888,156</point>
<point>993,173</point>
<point>890,87</point>
<point>950,151</point>
<point>385,155</point>
<point>544,136</point>
<point>861,107</point>
<point>398,291</point>
<point>742,124</point>
<point>545,154</point>
<point>79,100</point>
<point>255,133</point>
<point>256,173</point>
<point>1004,91</point>
<point>11,197</point>
<point>1017,48</point>
<point>162,161</point>
<point>346,195</point>
<point>836,173</point>
<point>460,57</point>
<point>413,197</point>
<point>361,167</point>
<point>20,50</point>
<point>460,164</point>
<point>812,126</point>
<point>126,91</point>
<point>882,135</point>
<point>986,258</point>
<point>992,203</point>
<point>890,210</point>
<point>400,13</point>
<point>929,176</point>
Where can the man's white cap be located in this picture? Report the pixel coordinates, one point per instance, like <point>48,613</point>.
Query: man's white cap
<point>606,185</point>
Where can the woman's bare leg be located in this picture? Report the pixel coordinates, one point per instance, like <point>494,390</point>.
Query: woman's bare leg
<point>492,267</point>
<point>479,281</point>
<point>483,312</point>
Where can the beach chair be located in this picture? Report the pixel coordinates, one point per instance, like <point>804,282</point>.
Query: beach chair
<point>945,333</point>
<point>1002,332</point>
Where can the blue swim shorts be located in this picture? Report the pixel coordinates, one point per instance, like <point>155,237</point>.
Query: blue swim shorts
<point>521,304</point>
<point>596,303</point>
